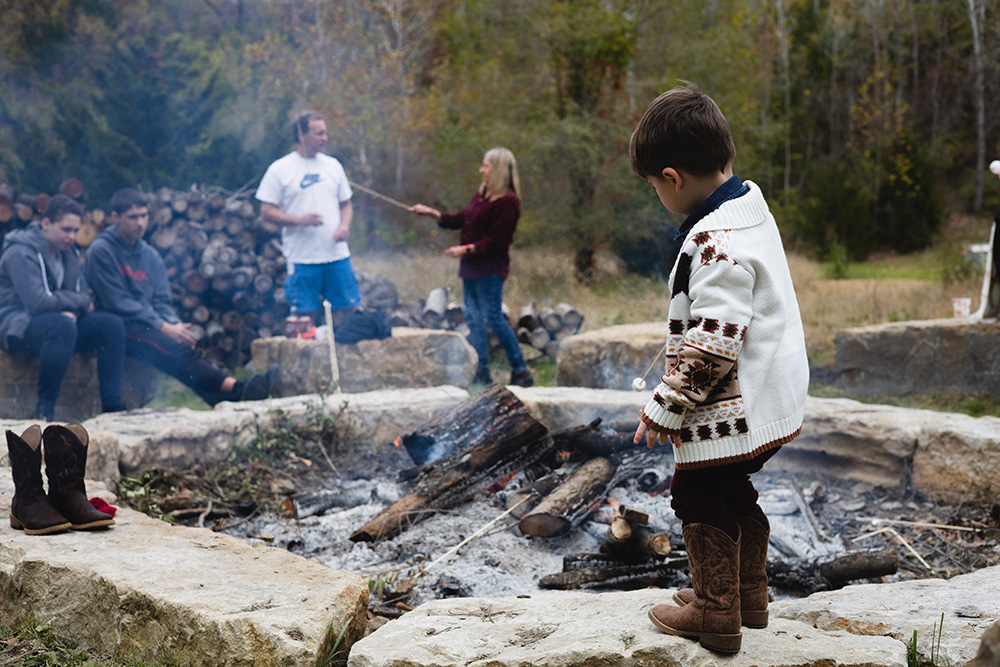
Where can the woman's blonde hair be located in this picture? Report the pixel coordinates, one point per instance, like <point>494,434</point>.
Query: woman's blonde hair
<point>503,178</point>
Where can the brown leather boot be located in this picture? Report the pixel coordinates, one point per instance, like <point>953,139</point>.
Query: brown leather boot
<point>753,575</point>
<point>65,462</point>
<point>713,617</point>
<point>30,508</point>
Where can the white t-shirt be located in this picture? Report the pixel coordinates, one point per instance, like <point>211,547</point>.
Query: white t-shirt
<point>299,185</point>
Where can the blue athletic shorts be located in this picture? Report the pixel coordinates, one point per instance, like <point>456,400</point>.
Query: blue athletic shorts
<point>335,281</point>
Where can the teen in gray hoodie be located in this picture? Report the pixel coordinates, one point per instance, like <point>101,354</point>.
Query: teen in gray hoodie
<point>47,308</point>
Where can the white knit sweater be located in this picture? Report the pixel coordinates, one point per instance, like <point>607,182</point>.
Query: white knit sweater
<point>737,372</point>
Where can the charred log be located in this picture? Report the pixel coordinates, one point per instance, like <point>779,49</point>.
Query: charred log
<point>497,434</point>
<point>569,504</point>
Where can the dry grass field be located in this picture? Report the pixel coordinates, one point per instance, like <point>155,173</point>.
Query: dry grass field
<point>615,297</point>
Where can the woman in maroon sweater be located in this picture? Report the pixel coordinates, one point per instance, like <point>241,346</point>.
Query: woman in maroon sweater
<point>487,227</point>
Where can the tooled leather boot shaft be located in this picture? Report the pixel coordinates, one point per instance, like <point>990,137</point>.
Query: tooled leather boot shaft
<point>65,465</point>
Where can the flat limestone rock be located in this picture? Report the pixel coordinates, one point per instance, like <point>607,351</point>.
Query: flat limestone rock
<point>611,357</point>
<point>565,407</point>
<point>946,454</point>
<point>102,452</point>
<point>573,629</point>
<point>174,595</point>
<point>920,357</point>
<point>409,358</point>
<point>968,604</point>
<point>172,438</point>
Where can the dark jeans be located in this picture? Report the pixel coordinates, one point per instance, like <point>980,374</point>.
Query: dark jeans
<point>718,494</point>
<point>483,307</point>
<point>53,338</point>
<point>177,360</point>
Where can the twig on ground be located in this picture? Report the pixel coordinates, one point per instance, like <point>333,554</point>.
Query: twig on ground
<point>201,517</point>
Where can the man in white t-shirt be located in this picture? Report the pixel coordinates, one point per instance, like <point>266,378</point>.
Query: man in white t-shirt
<point>307,193</point>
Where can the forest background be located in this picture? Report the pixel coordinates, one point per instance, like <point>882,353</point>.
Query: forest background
<point>866,122</point>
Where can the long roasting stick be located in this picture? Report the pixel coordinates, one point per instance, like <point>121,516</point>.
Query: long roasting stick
<point>471,537</point>
<point>379,195</point>
<point>334,369</point>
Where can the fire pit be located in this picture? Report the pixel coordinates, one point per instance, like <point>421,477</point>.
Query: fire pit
<point>825,533</point>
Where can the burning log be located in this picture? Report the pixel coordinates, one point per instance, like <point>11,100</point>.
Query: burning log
<point>810,576</point>
<point>496,434</point>
<point>569,504</point>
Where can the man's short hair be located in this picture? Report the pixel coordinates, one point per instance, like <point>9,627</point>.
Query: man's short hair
<point>125,199</point>
<point>301,124</point>
<point>61,205</point>
<point>683,128</point>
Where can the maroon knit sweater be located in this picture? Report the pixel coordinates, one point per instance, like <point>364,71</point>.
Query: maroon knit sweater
<point>489,227</point>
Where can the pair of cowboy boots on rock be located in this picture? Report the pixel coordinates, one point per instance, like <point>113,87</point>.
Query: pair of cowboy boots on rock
<point>66,505</point>
<point>728,587</point>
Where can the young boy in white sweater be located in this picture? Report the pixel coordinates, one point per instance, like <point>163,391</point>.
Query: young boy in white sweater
<point>736,368</point>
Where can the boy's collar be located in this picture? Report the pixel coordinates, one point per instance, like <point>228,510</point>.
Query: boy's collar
<point>731,189</point>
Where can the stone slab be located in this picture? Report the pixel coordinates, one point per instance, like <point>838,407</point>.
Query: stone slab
<point>920,357</point>
<point>79,395</point>
<point>167,594</point>
<point>564,407</point>
<point>373,417</point>
<point>574,629</point>
<point>967,605</point>
<point>611,357</point>
<point>409,358</point>
<point>102,452</point>
<point>171,438</point>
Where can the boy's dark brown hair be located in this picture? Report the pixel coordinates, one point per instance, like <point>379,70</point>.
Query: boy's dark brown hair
<point>683,128</point>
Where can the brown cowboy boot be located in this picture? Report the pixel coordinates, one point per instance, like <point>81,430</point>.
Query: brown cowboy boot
<point>753,575</point>
<point>713,617</point>
<point>65,461</point>
<point>30,508</point>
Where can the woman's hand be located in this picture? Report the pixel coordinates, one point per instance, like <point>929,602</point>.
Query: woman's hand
<point>458,250</point>
<point>421,209</point>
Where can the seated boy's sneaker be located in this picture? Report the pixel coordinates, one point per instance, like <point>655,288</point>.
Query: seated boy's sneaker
<point>521,378</point>
<point>254,389</point>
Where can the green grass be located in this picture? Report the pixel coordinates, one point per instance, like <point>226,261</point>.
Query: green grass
<point>983,404</point>
<point>33,644</point>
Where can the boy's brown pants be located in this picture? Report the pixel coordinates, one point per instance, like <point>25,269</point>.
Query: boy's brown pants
<point>718,494</point>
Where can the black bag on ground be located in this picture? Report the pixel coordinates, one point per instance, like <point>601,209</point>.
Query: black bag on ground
<point>362,325</point>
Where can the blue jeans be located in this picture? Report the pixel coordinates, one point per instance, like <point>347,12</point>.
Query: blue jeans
<point>53,338</point>
<point>483,308</point>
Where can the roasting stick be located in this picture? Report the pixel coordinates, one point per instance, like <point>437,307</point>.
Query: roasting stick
<point>892,531</point>
<point>918,524</point>
<point>334,369</point>
<point>379,195</point>
<point>476,534</point>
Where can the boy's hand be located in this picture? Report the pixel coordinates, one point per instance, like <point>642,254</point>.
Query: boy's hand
<point>651,436</point>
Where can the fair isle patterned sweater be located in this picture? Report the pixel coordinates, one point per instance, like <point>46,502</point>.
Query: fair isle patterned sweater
<point>737,372</point>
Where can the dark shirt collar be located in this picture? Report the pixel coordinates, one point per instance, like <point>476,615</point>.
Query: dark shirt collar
<point>731,189</point>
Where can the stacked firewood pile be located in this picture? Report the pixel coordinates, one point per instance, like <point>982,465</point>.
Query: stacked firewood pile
<point>540,327</point>
<point>17,209</point>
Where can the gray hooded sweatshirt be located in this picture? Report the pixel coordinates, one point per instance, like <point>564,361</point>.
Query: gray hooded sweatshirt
<point>28,281</point>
